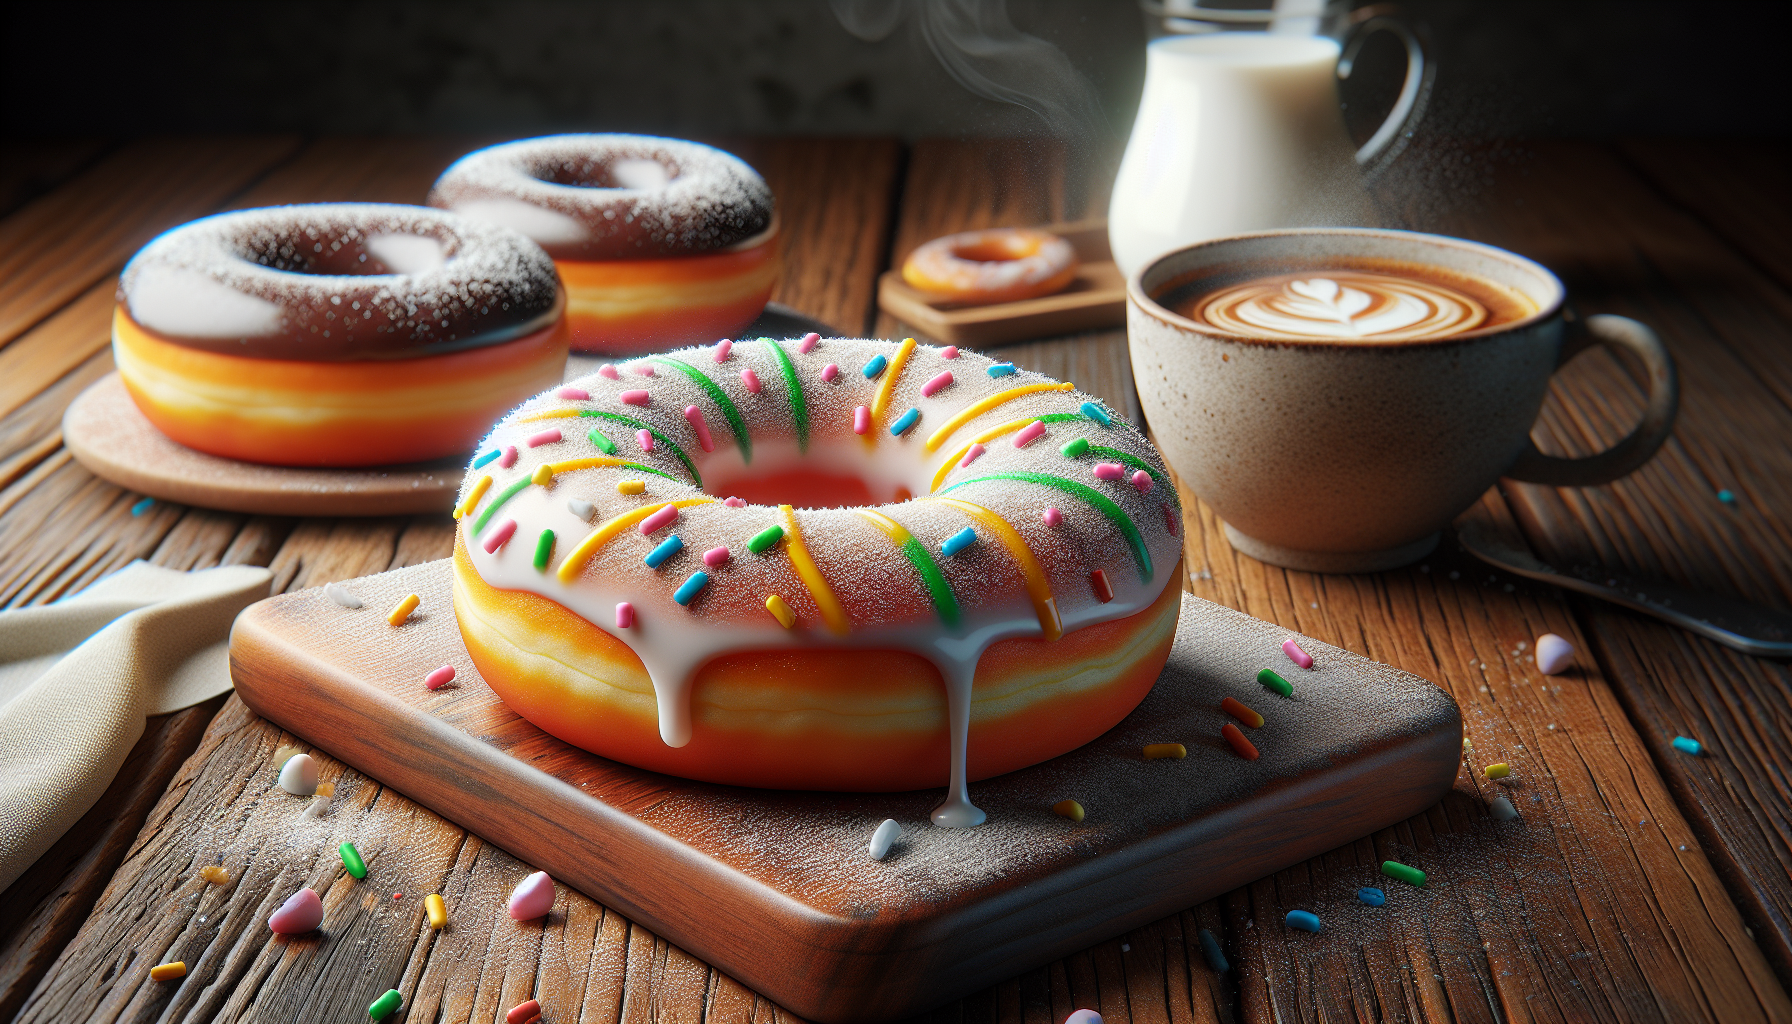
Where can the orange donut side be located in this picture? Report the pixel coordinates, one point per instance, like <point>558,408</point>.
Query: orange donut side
<point>831,719</point>
<point>630,305</point>
<point>361,413</point>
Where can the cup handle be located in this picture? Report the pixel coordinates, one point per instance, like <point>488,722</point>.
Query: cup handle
<point>1415,92</point>
<point>1532,466</point>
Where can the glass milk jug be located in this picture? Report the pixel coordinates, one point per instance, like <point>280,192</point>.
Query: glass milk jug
<point>1240,129</point>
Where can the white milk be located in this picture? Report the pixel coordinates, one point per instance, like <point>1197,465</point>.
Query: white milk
<point>1237,131</point>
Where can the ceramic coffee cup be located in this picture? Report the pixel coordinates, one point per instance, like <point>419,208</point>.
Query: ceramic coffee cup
<point>1352,456</point>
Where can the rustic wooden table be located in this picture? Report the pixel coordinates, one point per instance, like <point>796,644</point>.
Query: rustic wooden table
<point>1641,884</point>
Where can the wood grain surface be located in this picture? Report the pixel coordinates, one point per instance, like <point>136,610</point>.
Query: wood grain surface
<point>1628,891</point>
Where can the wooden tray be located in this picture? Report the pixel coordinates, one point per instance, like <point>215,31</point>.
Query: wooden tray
<point>106,433</point>
<point>1095,300</point>
<point>776,888</point>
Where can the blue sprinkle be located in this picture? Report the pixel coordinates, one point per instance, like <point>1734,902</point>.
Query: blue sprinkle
<point>1304,921</point>
<point>1372,896</point>
<point>875,367</point>
<point>1001,369</point>
<point>1687,745</point>
<point>142,506</point>
<point>670,546</point>
<point>687,591</point>
<point>1726,496</point>
<point>1096,413</point>
<point>905,421</point>
<point>480,462</point>
<point>1216,958</point>
<point>959,541</point>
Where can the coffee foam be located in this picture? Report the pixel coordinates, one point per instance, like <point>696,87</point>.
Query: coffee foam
<point>1342,305</point>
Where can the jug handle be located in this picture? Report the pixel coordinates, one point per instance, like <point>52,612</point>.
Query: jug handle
<point>1415,92</point>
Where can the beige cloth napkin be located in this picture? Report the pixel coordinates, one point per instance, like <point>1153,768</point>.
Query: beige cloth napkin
<point>78,677</point>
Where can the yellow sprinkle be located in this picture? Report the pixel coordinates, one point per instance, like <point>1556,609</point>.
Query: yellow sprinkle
<point>403,610</point>
<point>214,874</point>
<point>631,486</point>
<point>479,488</point>
<point>832,614</point>
<point>976,409</point>
<point>576,561</point>
<point>436,909</point>
<point>1497,771</point>
<point>780,611</point>
<point>1154,751</point>
<point>1068,809</point>
<point>543,475</point>
<point>1039,588</point>
<point>168,972</point>
<point>326,789</point>
<point>1466,745</point>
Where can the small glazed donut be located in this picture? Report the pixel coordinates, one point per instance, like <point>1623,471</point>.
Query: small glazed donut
<point>977,268</point>
<point>336,335</point>
<point>1004,588</point>
<point>659,241</point>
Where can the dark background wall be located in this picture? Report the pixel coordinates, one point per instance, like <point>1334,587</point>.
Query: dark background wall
<point>703,67</point>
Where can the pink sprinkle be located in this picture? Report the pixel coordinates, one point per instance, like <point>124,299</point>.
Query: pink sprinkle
<point>715,556</point>
<point>659,520</point>
<point>545,437</point>
<point>1141,482</point>
<point>861,420</point>
<point>607,370</point>
<point>574,394</point>
<point>508,459</point>
<point>645,439</point>
<point>1296,655</point>
<point>808,343</point>
<point>635,397</point>
<point>935,384</point>
<point>1052,517</point>
<point>1108,471</point>
<point>439,678</point>
<point>644,369</point>
<point>829,372</point>
<point>732,502</point>
<point>752,380</point>
<point>970,455</point>
<point>497,537</point>
<point>949,352</point>
<point>723,347</point>
<point>1170,520</point>
<point>695,416</point>
<point>1028,434</point>
<point>625,615</point>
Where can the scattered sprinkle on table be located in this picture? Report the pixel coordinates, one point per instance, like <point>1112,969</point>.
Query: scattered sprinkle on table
<point>403,609</point>
<point>298,775</point>
<point>885,837</point>
<point>523,1013</point>
<point>1726,496</point>
<point>1497,770</point>
<point>1304,921</point>
<point>1402,872</point>
<point>168,971</point>
<point>1159,751</point>
<point>1068,809</point>
<point>1554,654</point>
<point>1467,744</point>
<point>1502,809</point>
<point>398,895</point>
<point>351,859</point>
<point>1216,957</point>
<point>1688,745</point>
<point>214,874</point>
<point>1240,746</point>
<point>1372,896</point>
<point>302,912</point>
<point>1083,1016</point>
<point>436,910</point>
<point>326,789</point>
<point>533,897</point>
<point>143,506</point>
<point>959,541</point>
<point>1296,655</point>
<point>1232,706</point>
<point>386,1005</point>
<point>1275,683</point>
<point>440,677</point>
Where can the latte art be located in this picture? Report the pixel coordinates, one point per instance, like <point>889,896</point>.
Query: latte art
<point>1342,305</point>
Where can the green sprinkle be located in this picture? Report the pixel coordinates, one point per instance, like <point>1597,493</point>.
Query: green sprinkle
<point>658,439</point>
<point>1271,681</point>
<point>386,1005</point>
<point>1076,449</point>
<point>351,859</point>
<point>544,549</point>
<point>1402,872</point>
<point>1100,502</point>
<point>742,439</point>
<point>604,444</point>
<point>764,539</point>
<point>799,409</point>
<point>944,603</point>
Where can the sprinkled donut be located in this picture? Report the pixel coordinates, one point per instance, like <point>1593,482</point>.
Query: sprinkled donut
<point>995,584</point>
<point>659,241</point>
<point>976,268</point>
<point>336,335</point>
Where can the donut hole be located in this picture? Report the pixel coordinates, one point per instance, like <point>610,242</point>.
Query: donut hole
<point>350,254</point>
<point>639,173</point>
<point>830,475</point>
<point>997,249</point>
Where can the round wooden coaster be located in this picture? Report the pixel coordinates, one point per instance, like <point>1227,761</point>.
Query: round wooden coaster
<point>106,433</point>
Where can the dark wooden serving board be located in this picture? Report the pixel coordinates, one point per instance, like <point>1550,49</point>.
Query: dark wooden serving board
<point>776,887</point>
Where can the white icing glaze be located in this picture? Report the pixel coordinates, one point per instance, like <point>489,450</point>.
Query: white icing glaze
<point>881,594</point>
